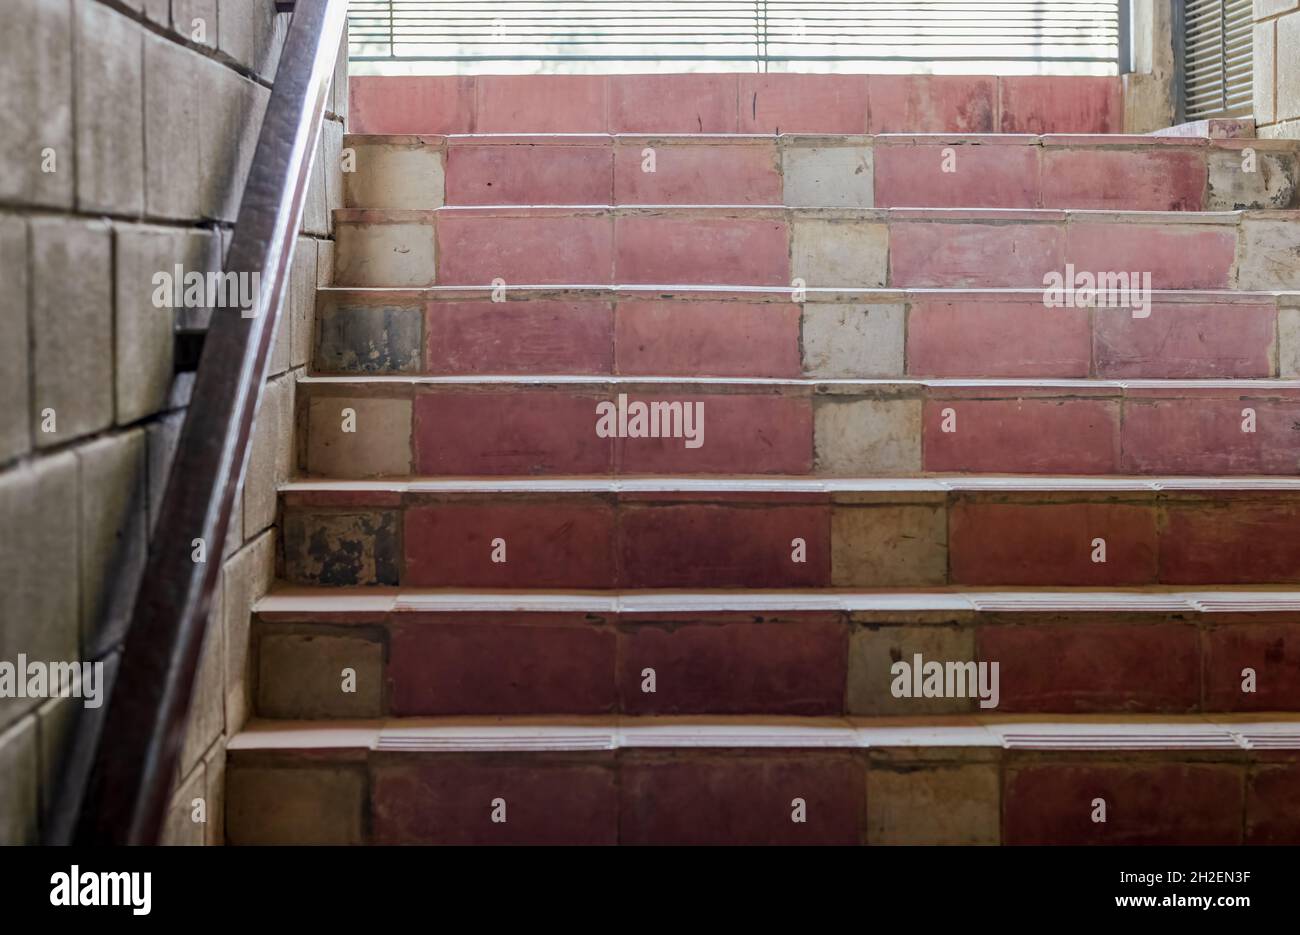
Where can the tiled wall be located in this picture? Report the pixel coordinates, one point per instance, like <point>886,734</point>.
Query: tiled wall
<point>129,128</point>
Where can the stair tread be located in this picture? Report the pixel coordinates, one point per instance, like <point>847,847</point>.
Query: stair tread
<point>920,483</point>
<point>1269,731</point>
<point>1232,296</point>
<point>1154,140</point>
<point>368,215</point>
<point>292,599</point>
<point>946,382</point>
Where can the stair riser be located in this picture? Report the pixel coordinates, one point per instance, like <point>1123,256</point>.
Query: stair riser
<point>1137,174</point>
<point>731,103</point>
<point>819,247</point>
<point>959,795</point>
<point>412,664</point>
<point>914,336</point>
<point>748,540</point>
<point>400,429</point>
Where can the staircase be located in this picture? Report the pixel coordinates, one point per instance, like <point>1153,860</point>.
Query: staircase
<point>662,429</point>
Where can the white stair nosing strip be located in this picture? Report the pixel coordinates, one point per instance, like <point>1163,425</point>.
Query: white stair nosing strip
<point>615,733</point>
<point>1195,296</point>
<point>1100,748</point>
<point>516,485</point>
<point>523,737</point>
<point>1158,141</point>
<point>275,736</point>
<point>756,484</point>
<point>1048,483</point>
<point>1280,482</point>
<point>324,600</point>
<point>435,745</point>
<point>1101,743</point>
<point>800,738</point>
<point>1196,732</point>
<point>277,602</point>
<point>505,135</point>
<point>1008,384</point>
<point>740,602</point>
<point>1243,383</point>
<point>1245,601</point>
<point>928,735</point>
<point>866,213</point>
<point>1030,604</point>
<point>1292,606</point>
<point>557,603</point>
<point>898,212</point>
<point>937,483</point>
<point>828,734</point>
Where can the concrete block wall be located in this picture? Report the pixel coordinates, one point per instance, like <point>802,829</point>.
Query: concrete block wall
<point>1277,68</point>
<point>129,126</point>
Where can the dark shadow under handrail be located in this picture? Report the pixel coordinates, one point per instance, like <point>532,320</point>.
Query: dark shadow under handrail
<point>117,778</point>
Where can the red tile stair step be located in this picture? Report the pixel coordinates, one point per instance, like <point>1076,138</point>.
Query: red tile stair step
<point>753,782</point>
<point>515,662</point>
<point>821,247</point>
<point>723,103</point>
<point>936,333</point>
<point>738,538</point>
<point>892,170</point>
<point>509,427</point>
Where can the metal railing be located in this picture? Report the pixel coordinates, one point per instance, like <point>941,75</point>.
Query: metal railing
<point>118,777</point>
<point>761,33</point>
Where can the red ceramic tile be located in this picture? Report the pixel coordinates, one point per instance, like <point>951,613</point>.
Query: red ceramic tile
<point>547,544</point>
<point>664,337</point>
<point>541,104</point>
<point>739,798</point>
<point>1178,256</point>
<point>1080,667</point>
<point>697,173</point>
<point>449,799</point>
<point>931,104</point>
<point>672,103</point>
<point>997,339</point>
<point>744,433</point>
<point>1231,543</point>
<point>802,103</point>
<point>511,431</point>
<point>946,175</point>
<point>708,545</point>
<point>1273,804</point>
<point>1050,544</point>
<point>1204,435</point>
<point>691,249</point>
<point>1123,179</point>
<point>1146,803</point>
<point>1184,341</point>
<point>406,104</point>
<point>1022,436</point>
<point>509,665</point>
<point>529,174</point>
<point>540,336</point>
<point>953,254</point>
<point>1272,650</point>
<point>793,667</point>
<point>1061,104</point>
<point>536,249</point>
